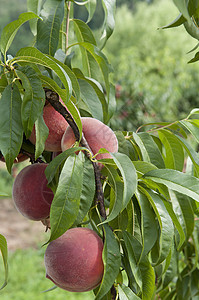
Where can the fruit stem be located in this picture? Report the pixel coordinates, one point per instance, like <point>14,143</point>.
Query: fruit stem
<point>53,99</point>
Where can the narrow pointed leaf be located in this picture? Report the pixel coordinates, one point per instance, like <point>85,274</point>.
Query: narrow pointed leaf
<point>109,21</point>
<point>83,32</point>
<point>48,28</point>
<point>33,100</point>
<point>35,7</point>
<point>112,260</point>
<point>11,130</point>
<point>183,8</point>
<point>11,29</point>
<point>125,293</point>
<point>174,158</point>
<point>193,127</point>
<point>175,23</point>
<point>3,82</point>
<point>149,149</point>
<point>42,132</point>
<point>129,175</point>
<point>165,222</point>
<point>148,224</point>
<point>54,166</point>
<point>91,99</point>
<point>4,252</point>
<point>177,181</point>
<point>117,185</point>
<point>91,6</point>
<point>65,205</point>
<point>88,190</point>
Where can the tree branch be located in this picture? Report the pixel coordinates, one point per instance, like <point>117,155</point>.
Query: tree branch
<point>53,99</point>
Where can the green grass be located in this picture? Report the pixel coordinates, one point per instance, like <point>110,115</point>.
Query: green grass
<point>27,279</point>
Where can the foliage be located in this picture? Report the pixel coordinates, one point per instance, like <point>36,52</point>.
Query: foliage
<point>146,197</point>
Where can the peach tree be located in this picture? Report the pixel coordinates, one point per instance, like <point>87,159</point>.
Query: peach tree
<point>125,204</point>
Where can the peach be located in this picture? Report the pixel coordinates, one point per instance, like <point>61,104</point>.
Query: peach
<point>74,260</point>
<point>20,157</point>
<point>56,125</point>
<point>97,134</point>
<point>31,195</point>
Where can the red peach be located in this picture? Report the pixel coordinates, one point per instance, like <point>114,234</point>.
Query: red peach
<point>20,157</point>
<point>31,195</point>
<point>97,134</point>
<point>74,260</point>
<point>56,125</point>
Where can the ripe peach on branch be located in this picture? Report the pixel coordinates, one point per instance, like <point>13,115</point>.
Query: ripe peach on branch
<point>74,260</point>
<point>31,195</point>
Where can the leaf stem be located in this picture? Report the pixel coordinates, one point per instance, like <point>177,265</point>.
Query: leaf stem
<point>67,24</point>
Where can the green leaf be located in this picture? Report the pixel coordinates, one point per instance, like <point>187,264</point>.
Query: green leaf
<point>56,163</point>
<point>65,205</point>
<point>148,224</point>
<point>48,28</point>
<point>143,167</point>
<point>176,222</point>
<point>11,130</point>
<point>33,100</point>
<point>42,132</point>
<point>183,8</point>
<point>175,23</point>
<point>125,293</point>
<point>177,181</point>
<point>88,190</point>
<point>4,252</point>
<point>174,156</point>
<point>112,260</point>
<point>83,32</point>
<point>91,99</point>
<point>191,152</point>
<point>117,185</point>
<point>184,203</point>
<point>35,7</point>
<point>165,222</point>
<point>149,149</point>
<point>100,59</point>
<point>143,272</point>
<point>109,20</point>
<point>128,173</point>
<point>193,127</point>
<point>11,29</point>
<point>3,82</point>
<point>196,58</point>
<point>91,6</point>
<point>32,55</point>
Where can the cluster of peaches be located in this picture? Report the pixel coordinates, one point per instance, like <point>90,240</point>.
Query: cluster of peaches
<point>74,260</point>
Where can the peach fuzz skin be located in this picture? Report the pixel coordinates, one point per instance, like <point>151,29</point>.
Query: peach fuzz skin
<point>74,261</point>
<point>56,125</point>
<point>31,195</point>
<point>97,134</point>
